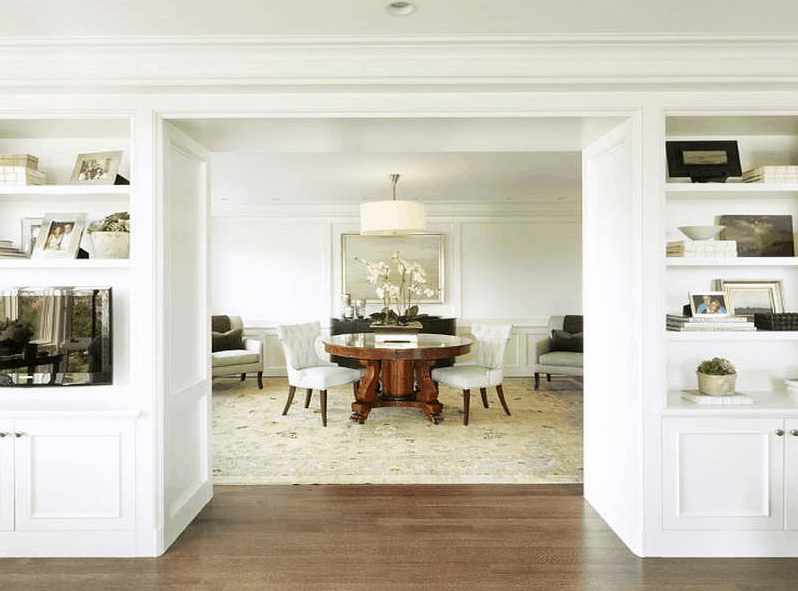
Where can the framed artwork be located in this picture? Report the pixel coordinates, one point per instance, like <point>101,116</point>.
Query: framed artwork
<point>98,168</point>
<point>30,230</point>
<point>708,303</point>
<point>59,235</point>
<point>759,235</point>
<point>425,249</point>
<point>703,161</point>
<point>756,296</point>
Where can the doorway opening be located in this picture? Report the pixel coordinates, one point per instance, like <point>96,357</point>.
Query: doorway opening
<point>504,194</point>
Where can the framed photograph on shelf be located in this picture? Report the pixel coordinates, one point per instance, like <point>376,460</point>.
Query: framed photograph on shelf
<point>703,161</point>
<point>759,235</point>
<point>30,230</point>
<point>707,303</point>
<point>97,168</point>
<point>424,249</point>
<point>59,236</point>
<point>755,296</point>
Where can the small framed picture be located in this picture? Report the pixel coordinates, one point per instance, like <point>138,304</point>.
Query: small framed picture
<point>703,161</point>
<point>98,168</point>
<point>708,303</point>
<point>755,296</point>
<point>30,230</point>
<point>59,235</point>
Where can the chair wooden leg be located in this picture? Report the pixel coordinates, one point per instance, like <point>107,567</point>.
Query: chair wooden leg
<point>355,388</point>
<point>537,381</point>
<point>500,392</point>
<point>323,399</point>
<point>260,380</point>
<point>291,390</point>
<point>466,404</point>
<point>308,395</point>
<point>548,377</point>
<point>243,377</point>
<point>484,392</point>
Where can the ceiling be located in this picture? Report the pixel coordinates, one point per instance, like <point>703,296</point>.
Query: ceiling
<point>100,18</point>
<point>259,161</point>
<point>246,178</point>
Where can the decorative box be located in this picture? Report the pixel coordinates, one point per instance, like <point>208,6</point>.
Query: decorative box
<point>774,321</point>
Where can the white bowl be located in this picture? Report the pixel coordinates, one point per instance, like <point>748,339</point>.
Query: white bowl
<point>700,232</point>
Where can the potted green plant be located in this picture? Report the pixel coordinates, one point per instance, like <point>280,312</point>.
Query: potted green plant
<point>111,236</point>
<point>716,377</point>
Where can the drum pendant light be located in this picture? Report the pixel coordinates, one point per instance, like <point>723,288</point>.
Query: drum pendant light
<point>392,218</point>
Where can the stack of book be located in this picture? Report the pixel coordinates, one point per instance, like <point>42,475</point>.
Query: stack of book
<point>702,249</point>
<point>20,169</point>
<point>9,251</point>
<point>771,174</point>
<point>698,398</point>
<point>708,322</point>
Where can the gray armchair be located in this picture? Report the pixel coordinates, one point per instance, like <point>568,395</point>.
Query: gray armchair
<point>550,362</point>
<point>237,360</point>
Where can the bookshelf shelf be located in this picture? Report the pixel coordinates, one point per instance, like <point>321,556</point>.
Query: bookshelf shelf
<point>65,190</point>
<point>733,262</point>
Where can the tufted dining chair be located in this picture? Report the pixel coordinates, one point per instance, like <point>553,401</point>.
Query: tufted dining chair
<point>309,366</point>
<point>484,370</point>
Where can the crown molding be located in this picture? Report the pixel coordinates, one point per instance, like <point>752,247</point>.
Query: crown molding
<point>219,61</point>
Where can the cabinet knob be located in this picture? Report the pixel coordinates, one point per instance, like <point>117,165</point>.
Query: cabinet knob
<point>779,432</point>
<point>3,434</point>
<point>794,432</point>
<point>20,434</point>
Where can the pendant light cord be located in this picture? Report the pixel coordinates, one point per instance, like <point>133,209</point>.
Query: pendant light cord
<point>394,180</point>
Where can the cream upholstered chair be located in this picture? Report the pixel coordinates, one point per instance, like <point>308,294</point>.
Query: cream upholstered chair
<point>484,370</point>
<point>309,366</point>
<point>237,361</point>
<point>569,363</point>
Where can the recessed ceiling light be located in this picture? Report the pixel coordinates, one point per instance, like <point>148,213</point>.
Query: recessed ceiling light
<point>400,8</point>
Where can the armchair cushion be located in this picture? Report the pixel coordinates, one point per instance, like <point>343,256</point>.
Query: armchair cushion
<point>466,377</point>
<point>234,357</point>
<point>573,323</point>
<point>562,359</point>
<point>227,341</point>
<point>566,341</point>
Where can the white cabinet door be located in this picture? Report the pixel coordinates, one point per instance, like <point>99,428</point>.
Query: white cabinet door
<point>74,474</point>
<point>723,473</point>
<point>6,475</point>
<point>791,476</point>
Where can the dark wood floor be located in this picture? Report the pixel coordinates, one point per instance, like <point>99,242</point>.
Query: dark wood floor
<point>387,538</point>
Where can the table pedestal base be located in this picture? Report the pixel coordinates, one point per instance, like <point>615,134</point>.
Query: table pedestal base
<point>397,379</point>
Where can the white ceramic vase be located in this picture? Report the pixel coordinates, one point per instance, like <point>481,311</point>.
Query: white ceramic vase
<point>111,245</point>
<point>716,385</point>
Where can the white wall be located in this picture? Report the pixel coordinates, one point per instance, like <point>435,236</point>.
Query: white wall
<point>273,269</point>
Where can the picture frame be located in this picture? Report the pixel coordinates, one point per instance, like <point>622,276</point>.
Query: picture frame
<point>97,168</point>
<point>702,303</point>
<point>759,235</point>
<point>746,297</point>
<point>59,236</point>
<point>703,161</point>
<point>29,231</point>
<point>425,249</point>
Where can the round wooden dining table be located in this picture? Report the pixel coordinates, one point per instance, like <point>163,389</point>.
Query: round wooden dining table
<point>397,374</point>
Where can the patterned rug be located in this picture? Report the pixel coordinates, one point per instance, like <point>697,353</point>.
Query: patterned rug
<point>254,444</point>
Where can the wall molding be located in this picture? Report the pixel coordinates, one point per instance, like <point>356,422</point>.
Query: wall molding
<point>218,61</point>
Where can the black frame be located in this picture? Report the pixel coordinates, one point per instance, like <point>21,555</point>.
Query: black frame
<point>703,172</point>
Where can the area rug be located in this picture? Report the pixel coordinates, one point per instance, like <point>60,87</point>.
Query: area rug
<point>254,444</point>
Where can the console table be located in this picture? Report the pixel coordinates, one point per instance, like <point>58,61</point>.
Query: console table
<point>401,370</point>
<point>432,325</point>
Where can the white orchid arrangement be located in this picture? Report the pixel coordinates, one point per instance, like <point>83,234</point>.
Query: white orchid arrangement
<point>400,281</point>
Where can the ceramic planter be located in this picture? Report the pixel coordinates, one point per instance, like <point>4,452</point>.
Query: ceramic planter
<point>716,385</point>
<point>111,245</point>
